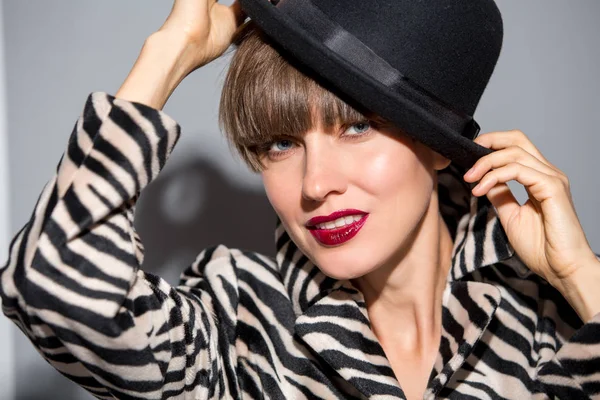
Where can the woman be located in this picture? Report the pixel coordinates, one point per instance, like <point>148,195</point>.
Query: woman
<point>445,304</point>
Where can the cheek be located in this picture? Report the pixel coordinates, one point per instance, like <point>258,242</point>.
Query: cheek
<point>278,188</point>
<point>397,165</point>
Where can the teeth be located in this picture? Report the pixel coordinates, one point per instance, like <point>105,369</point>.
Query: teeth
<point>343,221</point>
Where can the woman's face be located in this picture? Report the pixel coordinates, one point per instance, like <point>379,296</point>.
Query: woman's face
<point>384,175</point>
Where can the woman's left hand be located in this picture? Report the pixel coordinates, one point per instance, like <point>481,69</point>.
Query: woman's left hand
<point>545,231</point>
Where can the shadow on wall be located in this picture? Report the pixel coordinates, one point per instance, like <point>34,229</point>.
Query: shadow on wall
<point>194,206</point>
<point>188,207</point>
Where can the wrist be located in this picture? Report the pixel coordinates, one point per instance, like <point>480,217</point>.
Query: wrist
<point>175,50</point>
<point>580,289</point>
<point>164,61</point>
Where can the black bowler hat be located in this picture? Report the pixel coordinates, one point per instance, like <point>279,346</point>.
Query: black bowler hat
<point>421,64</point>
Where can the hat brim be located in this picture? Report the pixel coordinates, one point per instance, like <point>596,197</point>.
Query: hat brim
<point>370,93</point>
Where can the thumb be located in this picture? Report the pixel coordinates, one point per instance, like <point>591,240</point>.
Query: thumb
<point>504,201</point>
<point>230,17</point>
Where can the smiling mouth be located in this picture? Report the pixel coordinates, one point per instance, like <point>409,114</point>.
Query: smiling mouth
<point>329,234</point>
<point>337,223</point>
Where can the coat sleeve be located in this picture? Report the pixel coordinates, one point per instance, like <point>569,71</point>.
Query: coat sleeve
<point>573,371</point>
<point>72,282</point>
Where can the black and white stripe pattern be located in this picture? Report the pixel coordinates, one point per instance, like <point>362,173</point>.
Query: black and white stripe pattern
<point>244,326</point>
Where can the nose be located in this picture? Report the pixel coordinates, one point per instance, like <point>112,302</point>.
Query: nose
<point>323,173</point>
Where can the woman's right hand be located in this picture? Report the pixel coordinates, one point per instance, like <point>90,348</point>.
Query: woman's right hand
<point>206,27</point>
<point>195,33</point>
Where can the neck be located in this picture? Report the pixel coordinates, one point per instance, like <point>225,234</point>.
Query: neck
<point>404,299</point>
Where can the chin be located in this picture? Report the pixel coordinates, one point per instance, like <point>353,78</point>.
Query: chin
<point>345,266</point>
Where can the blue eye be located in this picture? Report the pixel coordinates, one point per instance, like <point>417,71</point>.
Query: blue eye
<point>286,145</point>
<point>365,124</point>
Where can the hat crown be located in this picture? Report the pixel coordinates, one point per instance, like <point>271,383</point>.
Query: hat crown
<point>448,47</point>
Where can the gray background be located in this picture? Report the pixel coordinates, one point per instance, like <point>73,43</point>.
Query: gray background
<point>6,329</point>
<point>58,52</point>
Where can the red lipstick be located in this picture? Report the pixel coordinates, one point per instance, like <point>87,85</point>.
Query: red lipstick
<point>338,235</point>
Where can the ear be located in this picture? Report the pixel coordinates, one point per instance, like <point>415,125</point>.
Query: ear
<point>439,161</point>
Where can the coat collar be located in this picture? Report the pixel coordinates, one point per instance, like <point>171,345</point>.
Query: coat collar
<point>479,241</point>
<point>337,328</point>
<point>332,316</point>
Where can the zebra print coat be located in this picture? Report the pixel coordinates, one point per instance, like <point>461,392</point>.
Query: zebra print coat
<point>244,326</point>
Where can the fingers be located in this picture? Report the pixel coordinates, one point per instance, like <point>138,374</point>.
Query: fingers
<point>230,17</point>
<point>515,158</point>
<point>541,186</point>
<point>239,14</point>
<point>503,157</point>
<point>501,140</point>
<point>511,146</point>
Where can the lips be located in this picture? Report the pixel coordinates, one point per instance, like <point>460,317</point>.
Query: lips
<point>338,235</point>
<point>332,217</point>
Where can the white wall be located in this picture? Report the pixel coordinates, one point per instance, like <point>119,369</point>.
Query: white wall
<point>6,328</point>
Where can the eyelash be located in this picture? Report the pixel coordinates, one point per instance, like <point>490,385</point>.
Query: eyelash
<point>265,149</point>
